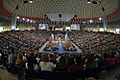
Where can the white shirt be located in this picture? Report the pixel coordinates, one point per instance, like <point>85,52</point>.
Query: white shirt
<point>0,54</point>
<point>38,59</point>
<point>24,58</point>
<point>57,59</point>
<point>46,66</point>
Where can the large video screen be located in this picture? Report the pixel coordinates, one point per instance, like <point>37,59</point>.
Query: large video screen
<point>43,26</point>
<point>75,26</point>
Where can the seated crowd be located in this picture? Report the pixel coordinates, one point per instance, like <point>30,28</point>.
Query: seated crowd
<point>19,53</point>
<point>52,66</point>
<point>92,42</point>
<point>23,40</point>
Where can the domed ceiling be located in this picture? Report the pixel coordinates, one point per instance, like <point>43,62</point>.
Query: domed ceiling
<point>81,8</point>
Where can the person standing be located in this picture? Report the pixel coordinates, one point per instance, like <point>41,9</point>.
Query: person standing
<point>11,59</point>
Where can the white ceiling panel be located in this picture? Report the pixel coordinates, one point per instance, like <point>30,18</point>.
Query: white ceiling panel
<point>80,7</point>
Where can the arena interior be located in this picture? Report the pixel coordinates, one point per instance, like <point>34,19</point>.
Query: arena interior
<point>59,39</point>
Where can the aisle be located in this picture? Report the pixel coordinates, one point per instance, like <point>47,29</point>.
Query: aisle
<point>60,47</point>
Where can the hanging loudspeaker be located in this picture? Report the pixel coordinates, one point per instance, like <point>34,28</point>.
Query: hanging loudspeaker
<point>60,15</point>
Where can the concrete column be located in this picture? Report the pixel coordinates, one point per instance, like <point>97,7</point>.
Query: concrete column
<point>14,20</point>
<point>105,23</point>
<point>52,35</point>
<point>66,36</point>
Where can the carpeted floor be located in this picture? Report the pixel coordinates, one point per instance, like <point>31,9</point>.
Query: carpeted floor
<point>4,75</point>
<point>112,75</point>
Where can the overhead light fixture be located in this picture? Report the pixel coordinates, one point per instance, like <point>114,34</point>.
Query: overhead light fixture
<point>28,1</point>
<point>88,1</point>
<point>91,21</point>
<point>28,20</point>
<point>117,30</point>
<point>31,21</point>
<point>23,19</point>
<point>31,1</point>
<point>100,19</point>
<point>18,17</point>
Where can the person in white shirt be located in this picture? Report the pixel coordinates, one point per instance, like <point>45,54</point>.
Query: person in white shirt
<point>45,64</point>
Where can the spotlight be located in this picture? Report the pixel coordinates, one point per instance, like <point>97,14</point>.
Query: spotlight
<point>31,21</point>
<point>100,19</point>
<point>28,20</point>
<point>23,19</point>
<point>31,1</point>
<point>88,1</point>
<point>18,17</point>
<point>91,21</point>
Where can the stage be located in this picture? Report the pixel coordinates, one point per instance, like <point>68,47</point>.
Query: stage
<point>59,47</point>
